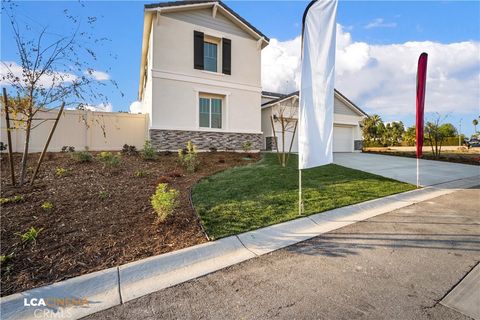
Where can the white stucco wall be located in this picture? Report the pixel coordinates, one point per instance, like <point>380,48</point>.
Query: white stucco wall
<point>82,129</point>
<point>176,84</point>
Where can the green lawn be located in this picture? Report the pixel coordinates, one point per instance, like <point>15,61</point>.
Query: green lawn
<point>264,193</point>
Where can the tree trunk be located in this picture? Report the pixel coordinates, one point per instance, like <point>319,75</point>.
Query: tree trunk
<point>283,141</point>
<point>23,165</point>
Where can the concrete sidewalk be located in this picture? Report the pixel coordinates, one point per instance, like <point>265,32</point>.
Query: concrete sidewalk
<point>405,169</point>
<point>397,265</point>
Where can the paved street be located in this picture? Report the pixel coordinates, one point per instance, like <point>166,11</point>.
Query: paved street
<point>395,266</point>
<point>405,169</point>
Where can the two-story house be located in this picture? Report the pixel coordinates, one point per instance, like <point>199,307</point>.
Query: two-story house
<point>200,76</point>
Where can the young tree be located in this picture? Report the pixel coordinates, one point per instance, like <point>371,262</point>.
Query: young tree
<point>410,135</point>
<point>475,123</point>
<point>284,122</point>
<point>436,132</point>
<point>53,68</point>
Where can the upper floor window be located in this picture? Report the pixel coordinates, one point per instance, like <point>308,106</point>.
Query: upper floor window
<point>211,53</point>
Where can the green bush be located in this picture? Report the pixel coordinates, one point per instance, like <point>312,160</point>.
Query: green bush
<point>148,152</point>
<point>188,157</point>
<point>164,201</point>
<point>60,172</point>
<point>31,235</point>
<point>109,159</point>
<point>6,263</point>
<point>103,195</point>
<point>47,206</point>
<point>14,199</point>
<point>82,156</point>
<point>247,146</point>
<point>140,173</point>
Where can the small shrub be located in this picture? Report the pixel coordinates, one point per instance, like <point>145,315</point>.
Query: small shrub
<point>109,159</point>
<point>164,201</point>
<point>47,206</point>
<point>31,235</point>
<point>4,259</point>
<point>60,172</point>
<point>14,199</point>
<point>188,157</point>
<point>129,150</point>
<point>103,195</point>
<point>140,174</point>
<point>148,153</point>
<point>212,149</point>
<point>164,179</point>
<point>3,146</point>
<point>247,146</point>
<point>6,262</point>
<point>68,149</point>
<point>82,156</point>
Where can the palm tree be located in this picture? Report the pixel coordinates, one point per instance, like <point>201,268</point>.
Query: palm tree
<point>475,123</point>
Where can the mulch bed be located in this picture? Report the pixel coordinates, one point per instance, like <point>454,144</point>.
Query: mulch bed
<point>456,157</point>
<point>90,230</point>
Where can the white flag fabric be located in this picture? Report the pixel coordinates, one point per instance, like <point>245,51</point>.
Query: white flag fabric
<point>315,128</point>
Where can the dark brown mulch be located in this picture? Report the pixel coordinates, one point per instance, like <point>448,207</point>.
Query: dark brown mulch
<point>84,233</point>
<point>465,158</point>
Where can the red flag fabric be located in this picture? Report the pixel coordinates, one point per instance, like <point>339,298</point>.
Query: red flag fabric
<point>421,81</point>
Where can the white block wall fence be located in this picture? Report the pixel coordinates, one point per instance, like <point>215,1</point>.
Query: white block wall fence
<point>82,129</point>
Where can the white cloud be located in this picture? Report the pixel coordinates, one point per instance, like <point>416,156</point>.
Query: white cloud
<point>136,107</point>
<point>97,75</point>
<point>382,78</point>
<point>380,23</point>
<point>7,67</point>
<point>103,107</point>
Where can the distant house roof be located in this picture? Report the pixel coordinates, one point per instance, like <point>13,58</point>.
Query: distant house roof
<point>190,3</point>
<point>272,94</point>
<point>283,97</point>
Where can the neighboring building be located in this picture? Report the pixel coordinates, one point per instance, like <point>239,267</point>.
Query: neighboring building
<point>347,135</point>
<point>200,76</point>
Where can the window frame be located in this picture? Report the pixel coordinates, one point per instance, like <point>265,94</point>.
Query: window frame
<point>210,98</point>
<point>218,42</point>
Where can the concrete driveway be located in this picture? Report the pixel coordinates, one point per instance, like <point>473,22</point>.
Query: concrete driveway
<point>398,265</point>
<point>404,169</point>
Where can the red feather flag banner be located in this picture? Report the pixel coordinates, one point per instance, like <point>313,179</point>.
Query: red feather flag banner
<point>421,81</point>
<point>421,84</point>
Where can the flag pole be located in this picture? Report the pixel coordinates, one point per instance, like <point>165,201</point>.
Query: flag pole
<point>418,170</point>
<point>299,192</point>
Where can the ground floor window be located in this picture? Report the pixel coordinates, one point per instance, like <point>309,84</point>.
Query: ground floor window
<point>210,109</point>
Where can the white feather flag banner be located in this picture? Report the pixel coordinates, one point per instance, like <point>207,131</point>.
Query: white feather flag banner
<point>315,129</point>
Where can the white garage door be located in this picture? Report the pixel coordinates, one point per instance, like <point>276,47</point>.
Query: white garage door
<point>342,139</point>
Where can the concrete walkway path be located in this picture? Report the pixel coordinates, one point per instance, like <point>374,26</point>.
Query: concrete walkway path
<point>405,169</point>
<point>398,265</point>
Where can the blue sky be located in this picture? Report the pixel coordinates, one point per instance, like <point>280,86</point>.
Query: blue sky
<point>375,24</point>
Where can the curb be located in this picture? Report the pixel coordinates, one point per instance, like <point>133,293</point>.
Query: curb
<point>114,286</point>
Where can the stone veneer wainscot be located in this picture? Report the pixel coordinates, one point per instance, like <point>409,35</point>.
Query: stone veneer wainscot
<point>204,140</point>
